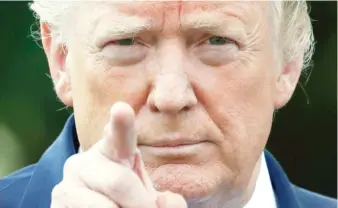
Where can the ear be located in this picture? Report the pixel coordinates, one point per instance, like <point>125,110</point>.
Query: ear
<point>287,82</point>
<point>56,55</point>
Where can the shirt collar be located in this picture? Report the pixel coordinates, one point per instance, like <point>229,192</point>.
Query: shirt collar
<point>263,192</point>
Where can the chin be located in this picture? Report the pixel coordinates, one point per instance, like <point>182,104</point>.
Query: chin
<point>190,181</point>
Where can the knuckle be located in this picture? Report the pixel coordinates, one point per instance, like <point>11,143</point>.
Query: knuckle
<point>55,191</point>
<point>181,202</point>
<point>71,164</point>
<point>58,193</point>
<point>169,199</point>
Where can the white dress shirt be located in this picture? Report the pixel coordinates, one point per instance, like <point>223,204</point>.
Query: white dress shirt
<point>263,196</point>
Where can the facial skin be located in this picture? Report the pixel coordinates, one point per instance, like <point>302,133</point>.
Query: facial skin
<point>195,70</point>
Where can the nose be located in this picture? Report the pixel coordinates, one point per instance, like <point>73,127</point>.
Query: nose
<point>171,90</point>
<point>171,93</point>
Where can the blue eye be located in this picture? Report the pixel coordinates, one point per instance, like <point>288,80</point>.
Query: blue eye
<point>217,40</point>
<point>125,42</point>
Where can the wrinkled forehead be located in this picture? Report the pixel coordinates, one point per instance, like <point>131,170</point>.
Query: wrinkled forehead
<point>162,10</point>
<point>163,15</point>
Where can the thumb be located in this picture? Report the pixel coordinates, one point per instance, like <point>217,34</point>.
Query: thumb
<point>168,200</point>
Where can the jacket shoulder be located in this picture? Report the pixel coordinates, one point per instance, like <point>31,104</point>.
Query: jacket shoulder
<point>310,199</point>
<point>12,187</point>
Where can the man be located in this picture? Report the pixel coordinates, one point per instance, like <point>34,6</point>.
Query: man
<point>173,105</point>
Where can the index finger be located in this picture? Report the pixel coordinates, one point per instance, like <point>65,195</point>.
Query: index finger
<point>119,139</point>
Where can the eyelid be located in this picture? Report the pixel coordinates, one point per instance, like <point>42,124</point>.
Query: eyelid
<point>204,40</point>
<point>113,42</point>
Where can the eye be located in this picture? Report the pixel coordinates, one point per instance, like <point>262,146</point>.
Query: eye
<point>125,42</point>
<point>217,40</point>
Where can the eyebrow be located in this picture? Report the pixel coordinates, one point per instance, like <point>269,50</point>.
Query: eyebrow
<point>214,22</point>
<point>128,26</point>
<point>119,26</point>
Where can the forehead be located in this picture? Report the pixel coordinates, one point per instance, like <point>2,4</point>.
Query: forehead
<point>161,13</point>
<point>178,10</point>
<point>164,8</point>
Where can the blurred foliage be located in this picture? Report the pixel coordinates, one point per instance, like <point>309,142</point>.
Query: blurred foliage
<point>303,137</point>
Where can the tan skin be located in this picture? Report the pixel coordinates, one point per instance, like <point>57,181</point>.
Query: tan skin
<point>181,82</point>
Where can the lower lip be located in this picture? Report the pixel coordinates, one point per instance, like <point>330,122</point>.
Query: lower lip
<point>177,151</point>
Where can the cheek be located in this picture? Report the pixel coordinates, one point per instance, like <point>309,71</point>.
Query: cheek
<point>96,86</point>
<point>101,84</point>
<point>236,94</point>
<point>239,101</point>
<point>247,109</point>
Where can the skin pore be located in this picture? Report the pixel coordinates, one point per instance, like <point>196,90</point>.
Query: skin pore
<point>203,71</point>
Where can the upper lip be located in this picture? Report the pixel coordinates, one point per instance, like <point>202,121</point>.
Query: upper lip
<point>173,141</point>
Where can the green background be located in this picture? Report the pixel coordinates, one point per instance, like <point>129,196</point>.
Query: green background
<point>303,137</point>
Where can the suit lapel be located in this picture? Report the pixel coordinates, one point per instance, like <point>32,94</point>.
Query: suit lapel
<point>283,188</point>
<point>49,170</point>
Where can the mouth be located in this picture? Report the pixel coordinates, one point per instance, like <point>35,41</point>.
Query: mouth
<point>174,146</point>
<point>178,151</point>
<point>175,143</point>
<point>172,140</point>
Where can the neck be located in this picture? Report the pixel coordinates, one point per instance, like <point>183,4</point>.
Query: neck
<point>222,198</point>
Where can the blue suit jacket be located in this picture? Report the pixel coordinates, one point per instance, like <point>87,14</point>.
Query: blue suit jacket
<point>31,187</point>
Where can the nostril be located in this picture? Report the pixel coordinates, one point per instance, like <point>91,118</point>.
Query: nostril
<point>153,108</point>
<point>186,108</point>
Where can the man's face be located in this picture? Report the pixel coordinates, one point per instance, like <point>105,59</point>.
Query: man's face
<point>193,72</point>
